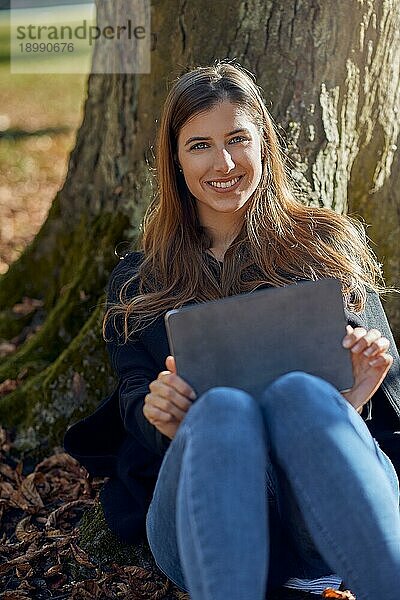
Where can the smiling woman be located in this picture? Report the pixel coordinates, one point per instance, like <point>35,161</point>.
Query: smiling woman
<point>223,171</point>
<point>260,230</point>
<point>238,495</point>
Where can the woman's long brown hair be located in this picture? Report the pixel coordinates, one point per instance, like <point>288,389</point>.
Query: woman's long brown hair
<point>281,240</point>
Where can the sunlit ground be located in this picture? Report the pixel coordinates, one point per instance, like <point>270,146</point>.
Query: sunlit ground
<point>32,167</point>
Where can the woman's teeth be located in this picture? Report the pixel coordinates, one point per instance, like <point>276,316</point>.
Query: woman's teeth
<point>224,184</point>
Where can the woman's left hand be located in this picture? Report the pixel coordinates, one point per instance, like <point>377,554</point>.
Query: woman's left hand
<point>370,361</point>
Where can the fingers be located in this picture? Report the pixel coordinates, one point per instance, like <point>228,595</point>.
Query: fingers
<point>352,335</point>
<point>174,381</point>
<point>154,414</point>
<point>170,363</point>
<point>359,338</point>
<point>168,398</point>
<point>371,343</point>
<point>170,395</point>
<point>379,346</point>
<point>384,360</point>
<point>161,409</point>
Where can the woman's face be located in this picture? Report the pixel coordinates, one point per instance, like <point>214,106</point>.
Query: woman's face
<point>219,151</point>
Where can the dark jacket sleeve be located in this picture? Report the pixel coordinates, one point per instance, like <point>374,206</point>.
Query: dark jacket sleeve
<point>133,365</point>
<point>383,408</point>
<point>374,316</point>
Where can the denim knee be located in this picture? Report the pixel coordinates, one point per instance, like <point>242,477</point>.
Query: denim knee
<point>298,381</point>
<point>224,409</point>
<point>298,398</point>
<point>301,395</point>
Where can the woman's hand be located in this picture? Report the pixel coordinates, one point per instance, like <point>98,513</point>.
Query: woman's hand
<point>169,400</point>
<point>370,361</point>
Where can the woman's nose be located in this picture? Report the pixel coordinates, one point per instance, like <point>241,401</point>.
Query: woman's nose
<point>223,161</point>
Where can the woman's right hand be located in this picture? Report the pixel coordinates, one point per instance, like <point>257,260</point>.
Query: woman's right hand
<point>168,401</point>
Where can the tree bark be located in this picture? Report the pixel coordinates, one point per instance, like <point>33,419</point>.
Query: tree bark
<point>330,75</point>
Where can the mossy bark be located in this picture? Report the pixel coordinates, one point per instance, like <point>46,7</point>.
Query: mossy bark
<point>329,78</point>
<point>105,550</point>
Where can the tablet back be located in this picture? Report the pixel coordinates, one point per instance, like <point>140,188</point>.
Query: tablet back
<point>248,340</point>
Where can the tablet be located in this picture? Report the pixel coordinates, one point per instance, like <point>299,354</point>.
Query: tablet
<point>248,340</point>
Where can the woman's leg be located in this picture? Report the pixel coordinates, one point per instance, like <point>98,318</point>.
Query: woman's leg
<point>213,477</point>
<point>327,459</point>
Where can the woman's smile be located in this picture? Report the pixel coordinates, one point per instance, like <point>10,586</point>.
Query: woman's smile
<point>223,186</point>
<point>219,151</point>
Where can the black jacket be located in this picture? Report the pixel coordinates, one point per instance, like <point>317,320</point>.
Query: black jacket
<point>118,442</point>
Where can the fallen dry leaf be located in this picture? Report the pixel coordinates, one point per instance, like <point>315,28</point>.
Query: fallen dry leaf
<point>340,595</point>
<point>24,570</point>
<point>56,514</point>
<point>25,496</point>
<point>25,531</point>
<point>80,556</point>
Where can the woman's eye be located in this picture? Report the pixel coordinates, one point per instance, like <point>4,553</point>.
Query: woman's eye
<point>197,146</point>
<point>202,145</point>
<point>241,138</point>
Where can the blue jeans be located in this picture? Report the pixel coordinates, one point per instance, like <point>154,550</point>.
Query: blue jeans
<point>253,492</point>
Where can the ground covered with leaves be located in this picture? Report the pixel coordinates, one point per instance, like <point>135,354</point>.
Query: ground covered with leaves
<point>49,547</point>
<point>55,542</point>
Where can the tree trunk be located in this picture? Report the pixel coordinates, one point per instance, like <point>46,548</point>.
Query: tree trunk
<point>330,74</point>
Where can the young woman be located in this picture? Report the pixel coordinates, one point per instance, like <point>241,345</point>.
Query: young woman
<point>240,496</point>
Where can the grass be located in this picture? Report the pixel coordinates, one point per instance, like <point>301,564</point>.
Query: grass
<point>33,168</point>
